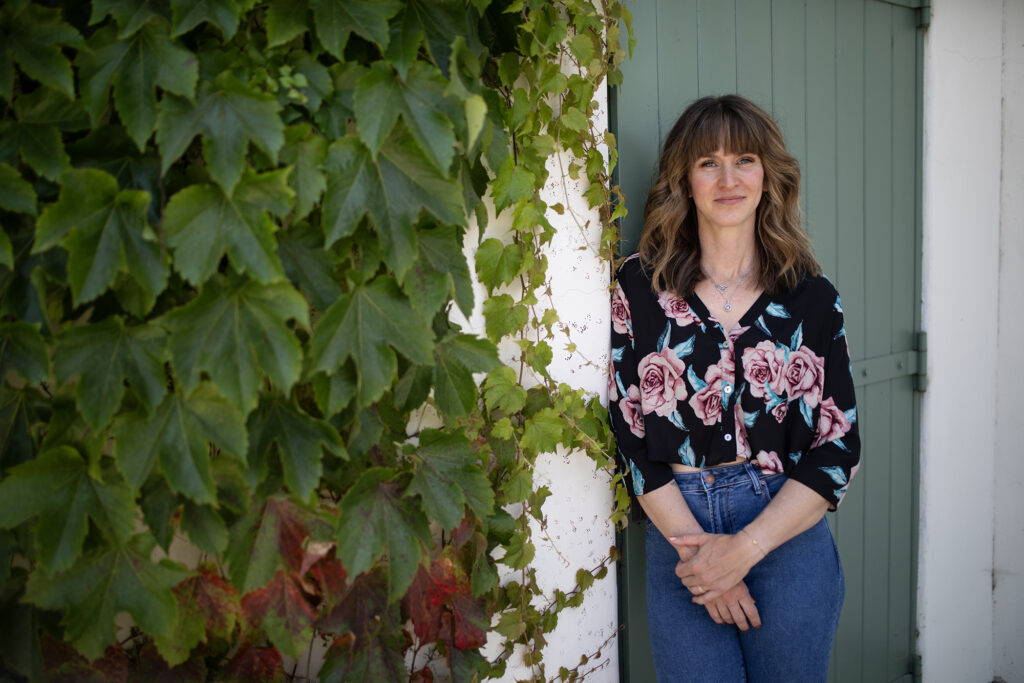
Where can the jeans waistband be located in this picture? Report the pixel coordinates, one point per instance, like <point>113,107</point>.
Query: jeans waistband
<point>738,474</point>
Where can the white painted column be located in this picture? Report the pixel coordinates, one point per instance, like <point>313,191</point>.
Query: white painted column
<point>961,213</point>
<point>1008,588</point>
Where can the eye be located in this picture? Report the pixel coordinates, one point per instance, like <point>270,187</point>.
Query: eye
<point>705,163</point>
<point>746,160</point>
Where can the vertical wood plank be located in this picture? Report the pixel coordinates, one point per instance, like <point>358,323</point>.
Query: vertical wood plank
<point>878,407</point>
<point>789,73</point>
<point>901,516</point>
<point>716,47</point>
<point>754,51</point>
<point>678,60</point>
<point>878,159</point>
<point>820,168</point>
<point>636,110</point>
<point>850,169</point>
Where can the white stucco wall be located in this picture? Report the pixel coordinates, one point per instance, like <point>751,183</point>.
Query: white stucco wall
<point>1008,583</point>
<point>961,219</point>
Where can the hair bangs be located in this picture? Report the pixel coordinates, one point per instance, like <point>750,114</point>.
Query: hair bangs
<point>723,127</point>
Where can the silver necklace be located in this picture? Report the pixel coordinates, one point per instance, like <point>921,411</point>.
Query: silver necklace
<point>723,290</point>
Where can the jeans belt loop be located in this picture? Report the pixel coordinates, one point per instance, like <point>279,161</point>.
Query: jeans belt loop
<point>754,479</point>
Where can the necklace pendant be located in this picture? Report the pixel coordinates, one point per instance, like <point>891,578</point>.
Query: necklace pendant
<point>727,307</point>
<point>722,288</point>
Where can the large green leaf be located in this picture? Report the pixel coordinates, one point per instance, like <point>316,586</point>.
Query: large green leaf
<point>456,358</point>
<point>130,15</point>
<point>104,355</point>
<point>268,538</point>
<point>16,194</point>
<point>23,350</point>
<point>366,325</point>
<point>106,582</point>
<point>228,114</point>
<point>59,488</point>
<point>309,265</point>
<point>32,36</point>
<point>392,191</point>
<point>187,14</point>
<point>135,66</point>
<point>374,518</point>
<point>306,152</point>
<point>300,442</point>
<point>202,222</point>
<point>105,232</point>
<point>178,437</point>
<point>382,96</point>
<point>41,116</point>
<point>439,273</point>
<point>336,19</point>
<point>448,477</point>
<point>237,331</point>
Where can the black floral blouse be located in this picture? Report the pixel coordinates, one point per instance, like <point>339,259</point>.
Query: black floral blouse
<point>778,389</point>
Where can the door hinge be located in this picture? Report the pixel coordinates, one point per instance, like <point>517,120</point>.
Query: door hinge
<point>921,347</point>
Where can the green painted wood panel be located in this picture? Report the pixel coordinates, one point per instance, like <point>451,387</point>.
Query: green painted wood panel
<point>842,77</point>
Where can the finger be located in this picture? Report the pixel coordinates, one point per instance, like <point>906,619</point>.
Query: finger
<point>747,603</point>
<point>689,540</point>
<point>715,614</point>
<point>738,616</point>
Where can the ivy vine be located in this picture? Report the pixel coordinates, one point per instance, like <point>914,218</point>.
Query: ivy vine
<point>231,256</point>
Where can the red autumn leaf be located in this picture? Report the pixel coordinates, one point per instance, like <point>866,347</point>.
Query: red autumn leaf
<point>153,669</point>
<point>253,665</point>
<point>280,608</point>
<point>424,675</point>
<point>291,530</point>
<point>329,575</point>
<point>471,622</point>
<point>440,607</point>
<point>363,608</point>
<point>208,597</point>
<point>264,541</point>
<point>64,664</point>
<point>427,596</point>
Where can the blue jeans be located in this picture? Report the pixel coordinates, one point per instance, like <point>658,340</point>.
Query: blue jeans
<point>798,590</point>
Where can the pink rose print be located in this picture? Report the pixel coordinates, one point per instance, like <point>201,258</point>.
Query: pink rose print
<point>707,402</point>
<point>762,367</point>
<point>677,308</point>
<point>737,332</point>
<point>621,321</point>
<point>742,442</point>
<point>769,462</point>
<point>630,407</point>
<point>804,376</point>
<point>661,382</point>
<point>779,412</point>
<point>613,394</point>
<point>832,423</point>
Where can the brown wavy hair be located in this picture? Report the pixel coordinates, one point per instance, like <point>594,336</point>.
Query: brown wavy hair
<point>670,248</point>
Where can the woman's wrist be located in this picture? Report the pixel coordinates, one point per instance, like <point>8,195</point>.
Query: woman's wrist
<point>755,548</point>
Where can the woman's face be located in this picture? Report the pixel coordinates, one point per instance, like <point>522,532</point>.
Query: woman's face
<point>726,189</point>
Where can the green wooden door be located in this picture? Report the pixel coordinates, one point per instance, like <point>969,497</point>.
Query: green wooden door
<point>843,79</point>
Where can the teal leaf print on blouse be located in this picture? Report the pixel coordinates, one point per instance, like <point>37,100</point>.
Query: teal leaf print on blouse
<point>851,415</point>
<point>638,479</point>
<point>696,382</point>
<point>676,419</point>
<point>685,349</point>
<point>841,333</point>
<point>749,418</point>
<point>773,398</point>
<point>795,457</point>
<point>663,339</point>
<point>805,412</point>
<point>618,383</point>
<point>836,473</point>
<point>840,492</point>
<point>777,310</point>
<point>838,305</point>
<point>617,353</point>
<point>798,337</point>
<point>761,326</point>
<point>839,442</point>
<point>686,454</point>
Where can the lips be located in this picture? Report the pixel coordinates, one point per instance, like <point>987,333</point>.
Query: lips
<point>730,200</point>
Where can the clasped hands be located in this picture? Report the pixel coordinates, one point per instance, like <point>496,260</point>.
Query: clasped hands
<point>712,567</point>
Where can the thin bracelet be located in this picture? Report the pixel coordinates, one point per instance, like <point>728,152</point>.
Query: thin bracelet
<point>754,541</point>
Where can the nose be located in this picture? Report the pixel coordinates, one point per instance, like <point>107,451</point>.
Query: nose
<point>727,178</point>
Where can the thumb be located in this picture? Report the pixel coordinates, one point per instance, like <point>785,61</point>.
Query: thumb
<point>688,540</point>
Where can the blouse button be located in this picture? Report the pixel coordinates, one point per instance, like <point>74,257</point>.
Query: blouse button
<point>727,389</point>
<point>728,437</point>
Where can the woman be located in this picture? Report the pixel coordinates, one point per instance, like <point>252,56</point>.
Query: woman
<point>733,407</point>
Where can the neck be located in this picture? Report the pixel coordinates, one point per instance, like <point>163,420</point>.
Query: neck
<point>727,255</point>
